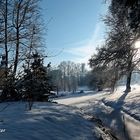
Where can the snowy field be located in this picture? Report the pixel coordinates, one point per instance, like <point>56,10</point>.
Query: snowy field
<point>46,121</point>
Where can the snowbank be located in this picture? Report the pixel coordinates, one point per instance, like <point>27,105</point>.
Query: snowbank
<point>128,102</point>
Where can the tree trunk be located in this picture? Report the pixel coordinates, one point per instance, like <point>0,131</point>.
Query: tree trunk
<point>6,49</point>
<point>128,83</point>
<point>17,53</point>
<point>17,44</point>
<point>64,81</point>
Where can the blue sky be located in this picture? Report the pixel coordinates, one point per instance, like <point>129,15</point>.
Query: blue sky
<point>74,29</point>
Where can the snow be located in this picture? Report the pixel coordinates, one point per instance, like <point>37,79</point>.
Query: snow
<point>119,111</point>
<point>45,121</point>
<point>132,126</point>
<point>130,103</point>
<point>79,98</point>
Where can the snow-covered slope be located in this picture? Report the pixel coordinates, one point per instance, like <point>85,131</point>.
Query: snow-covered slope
<point>128,105</point>
<point>128,102</point>
<point>118,111</point>
<point>46,121</point>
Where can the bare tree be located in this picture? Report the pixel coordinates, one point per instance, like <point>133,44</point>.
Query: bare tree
<point>118,51</point>
<point>25,22</point>
<point>71,75</point>
<point>62,67</point>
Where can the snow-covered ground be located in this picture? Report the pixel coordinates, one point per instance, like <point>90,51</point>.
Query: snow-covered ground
<point>129,103</point>
<point>119,111</point>
<point>46,121</point>
<point>79,98</point>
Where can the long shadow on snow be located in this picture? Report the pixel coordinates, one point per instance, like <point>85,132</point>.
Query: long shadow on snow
<point>116,116</point>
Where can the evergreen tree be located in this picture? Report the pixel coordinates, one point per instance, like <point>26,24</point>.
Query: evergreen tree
<point>36,83</point>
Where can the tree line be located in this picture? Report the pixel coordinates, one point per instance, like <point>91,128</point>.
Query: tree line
<point>20,31</point>
<point>68,76</point>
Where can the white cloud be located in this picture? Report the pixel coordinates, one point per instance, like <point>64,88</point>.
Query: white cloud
<point>84,49</point>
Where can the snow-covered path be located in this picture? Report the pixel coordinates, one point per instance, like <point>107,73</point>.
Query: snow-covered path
<point>124,126</point>
<point>79,98</point>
